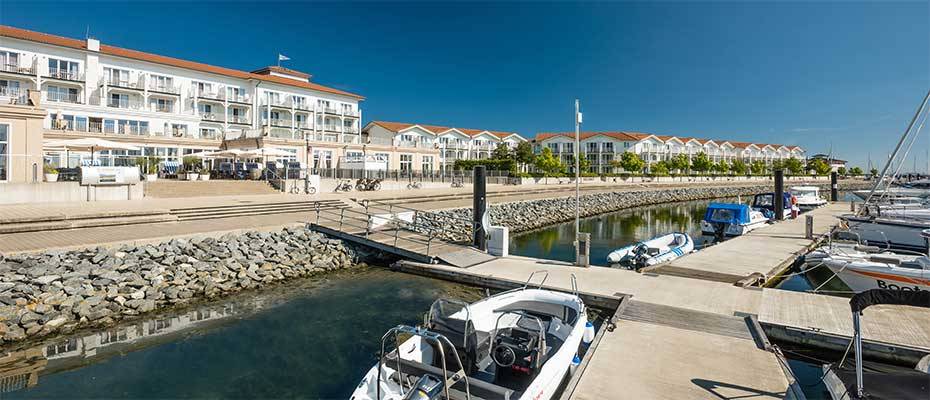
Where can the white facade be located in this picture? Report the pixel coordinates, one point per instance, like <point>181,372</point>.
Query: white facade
<point>167,106</point>
<point>602,148</point>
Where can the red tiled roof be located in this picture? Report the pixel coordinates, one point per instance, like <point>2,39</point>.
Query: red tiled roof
<point>281,70</point>
<point>585,135</point>
<point>39,37</point>
<point>437,129</point>
<point>623,135</point>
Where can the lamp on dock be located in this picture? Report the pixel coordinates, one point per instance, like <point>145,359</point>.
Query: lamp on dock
<point>582,242</point>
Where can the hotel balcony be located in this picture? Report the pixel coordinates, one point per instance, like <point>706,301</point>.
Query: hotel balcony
<point>167,89</point>
<point>15,94</point>
<point>350,113</point>
<point>239,98</point>
<point>125,104</point>
<point>213,96</point>
<point>72,98</point>
<point>453,145</point>
<point>211,117</point>
<point>302,125</point>
<point>350,130</point>
<point>302,105</point>
<point>276,122</point>
<point>60,74</point>
<point>13,67</point>
<point>280,103</point>
<point>331,128</point>
<point>165,108</point>
<point>238,120</point>
<point>117,83</point>
<point>330,110</point>
<point>210,134</point>
<point>352,139</point>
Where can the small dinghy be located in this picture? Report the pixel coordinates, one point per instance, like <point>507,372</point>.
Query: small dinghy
<point>654,251</point>
<point>517,345</point>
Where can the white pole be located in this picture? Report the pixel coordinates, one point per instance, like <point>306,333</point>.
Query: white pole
<point>577,168</point>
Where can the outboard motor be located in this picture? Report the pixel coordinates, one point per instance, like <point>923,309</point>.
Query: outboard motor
<point>428,387</point>
<point>719,230</point>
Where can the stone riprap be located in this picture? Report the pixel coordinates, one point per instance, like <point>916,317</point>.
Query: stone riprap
<point>57,292</point>
<point>527,215</point>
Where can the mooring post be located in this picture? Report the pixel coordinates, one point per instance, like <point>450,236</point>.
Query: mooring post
<point>809,227</point>
<point>779,200</point>
<point>479,187</point>
<point>834,195</point>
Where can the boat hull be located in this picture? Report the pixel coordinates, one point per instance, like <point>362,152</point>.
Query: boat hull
<point>707,228</point>
<point>863,276</point>
<point>886,233</point>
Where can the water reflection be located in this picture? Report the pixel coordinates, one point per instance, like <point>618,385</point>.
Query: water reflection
<point>611,231</point>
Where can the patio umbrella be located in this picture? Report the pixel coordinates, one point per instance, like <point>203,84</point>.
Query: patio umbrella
<point>90,144</point>
<point>204,154</point>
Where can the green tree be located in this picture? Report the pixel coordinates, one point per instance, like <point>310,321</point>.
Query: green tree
<point>818,166</point>
<point>757,167</point>
<point>855,171</point>
<point>738,167</point>
<point>778,164</point>
<point>631,162</point>
<point>701,163</point>
<point>722,167</point>
<point>524,153</point>
<point>841,171</point>
<point>583,163</point>
<point>548,163</point>
<point>874,171</point>
<point>794,166</point>
<point>680,163</point>
<point>659,168</point>
<point>501,152</point>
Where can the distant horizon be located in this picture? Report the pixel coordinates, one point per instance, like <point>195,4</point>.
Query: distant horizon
<point>840,76</point>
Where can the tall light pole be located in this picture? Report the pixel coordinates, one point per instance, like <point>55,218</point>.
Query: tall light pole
<point>577,167</point>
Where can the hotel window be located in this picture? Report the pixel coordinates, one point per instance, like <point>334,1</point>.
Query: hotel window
<point>117,77</point>
<point>204,88</point>
<point>62,69</point>
<point>607,147</point>
<point>208,133</point>
<point>163,105</point>
<point>383,157</point>
<point>554,147</point>
<point>592,147</point>
<point>322,104</point>
<point>347,109</point>
<point>62,94</point>
<point>162,83</point>
<point>206,110</point>
<point>235,94</point>
<point>568,147</point>
<point>178,130</point>
<point>4,152</point>
<point>427,164</point>
<point>626,145</point>
<point>9,88</point>
<point>9,60</point>
<point>406,163</point>
<point>118,100</point>
<point>299,101</point>
<point>274,97</point>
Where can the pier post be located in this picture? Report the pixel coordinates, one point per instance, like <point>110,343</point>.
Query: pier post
<point>779,199</point>
<point>480,203</point>
<point>809,227</point>
<point>834,196</point>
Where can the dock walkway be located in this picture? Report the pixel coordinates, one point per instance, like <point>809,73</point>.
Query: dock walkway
<point>763,253</point>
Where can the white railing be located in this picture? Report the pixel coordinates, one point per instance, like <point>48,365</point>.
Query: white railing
<point>331,128</point>
<point>406,143</point>
<point>173,89</point>
<point>241,98</point>
<point>125,104</point>
<point>163,107</point>
<point>237,119</point>
<point>302,105</point>
<point>133,130</point>
<point>65,74</point>
<point>330,110</point>
<point>353,139</point>
<point>64,97</point>
<point>17,68</point>
<point>350,113</point>
<point>210,117</point>
<point>122,83</point>
<point>279,122</point>
<point>211,95</point>
<point>302,125</point>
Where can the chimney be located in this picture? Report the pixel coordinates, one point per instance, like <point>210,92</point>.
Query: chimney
<point>93,44</point>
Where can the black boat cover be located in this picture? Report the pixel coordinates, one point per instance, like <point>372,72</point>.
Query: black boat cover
<point>918,298</point>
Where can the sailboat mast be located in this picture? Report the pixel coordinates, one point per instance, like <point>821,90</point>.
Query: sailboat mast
<point>881,177</point>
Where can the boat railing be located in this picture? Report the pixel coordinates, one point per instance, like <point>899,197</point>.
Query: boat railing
<point>440,341</point>
<point>543,281</point>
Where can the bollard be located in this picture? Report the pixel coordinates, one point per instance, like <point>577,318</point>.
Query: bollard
<point>779,199</point>
<point>479,194</point>
<point>583,249</point>
<point>834,195</point>
<point>852,206</point>
<point>809,227</point>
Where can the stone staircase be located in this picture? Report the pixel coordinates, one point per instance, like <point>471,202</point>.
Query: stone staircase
<point>169,188</point>
<point>58,222</point>
<point>256,208</point>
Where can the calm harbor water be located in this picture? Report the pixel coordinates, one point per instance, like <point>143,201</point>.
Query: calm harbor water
<point>315,340</point>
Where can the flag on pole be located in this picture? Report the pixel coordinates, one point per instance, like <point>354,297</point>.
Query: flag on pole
<point>282,57</point>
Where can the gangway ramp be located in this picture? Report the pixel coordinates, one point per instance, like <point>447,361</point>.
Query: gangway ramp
<point>417,235</point>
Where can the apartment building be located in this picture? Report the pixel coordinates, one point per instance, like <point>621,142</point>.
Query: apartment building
<point>602,148</point>
<point>434,145</point>
<point>171,107</point>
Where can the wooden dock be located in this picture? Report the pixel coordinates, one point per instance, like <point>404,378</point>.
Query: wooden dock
<point>758,257</point>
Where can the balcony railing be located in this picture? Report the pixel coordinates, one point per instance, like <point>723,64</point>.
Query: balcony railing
<point>331,128</point>
<point>65,75</point>
<point>17,95</point>
<point>353,139</point>
<point>330,110</point>
<point>133,130</point>
<point>171,89</point>
<point>209,134</point>
<point>210,117</point>
<point>240,98</point>
<point>115,82</point>
<point>302,105</point>
<point>73,98</point>
<point>238,119</point>
<point>167,108</point>
<point>282,123</point>
<point>17,69</point>
<point>218,96</point>
<point>350,130</point>
<point>282,133</point>
<point>125,104</point>
<point>406,143</point>
<point>302,125</point>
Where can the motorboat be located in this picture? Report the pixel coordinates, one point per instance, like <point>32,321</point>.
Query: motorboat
<point>515,345</point>
<point>882,271</point>
<point>887,227</point>
<point>895,192</point>
<point>765,203</point>
<point>808,197</point>
<point>660,249</point>
<point>731,219</point>
<point>870,380</point>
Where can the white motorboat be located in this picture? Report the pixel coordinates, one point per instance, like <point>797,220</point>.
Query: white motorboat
<point>891,227</point>
<point>808,197</point>
<point>731,219</point>
<point>862,269</point>
<point>515,345</point>
<point>657,250</point>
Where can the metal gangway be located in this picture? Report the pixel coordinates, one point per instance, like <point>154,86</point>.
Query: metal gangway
<point>422,236</point>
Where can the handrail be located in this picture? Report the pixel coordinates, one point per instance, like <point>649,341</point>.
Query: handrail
<point>546,276</point>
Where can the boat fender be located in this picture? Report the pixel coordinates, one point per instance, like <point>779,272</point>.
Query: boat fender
<point>588,336</point>
<point>576,362</point>
<point>922,366</point>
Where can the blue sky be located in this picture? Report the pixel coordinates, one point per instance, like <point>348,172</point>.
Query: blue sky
<point>811,74</point>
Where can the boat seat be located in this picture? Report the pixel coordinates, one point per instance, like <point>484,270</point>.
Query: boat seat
<point>653,251</point>
<point>477,387</point>
<point>472,345</point>
<point>884,259</point>
<point>867,249</point>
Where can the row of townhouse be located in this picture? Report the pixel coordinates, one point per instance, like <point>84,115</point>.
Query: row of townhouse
<point>602,148</point>
<point>434,147</point>
<point>167,106</point>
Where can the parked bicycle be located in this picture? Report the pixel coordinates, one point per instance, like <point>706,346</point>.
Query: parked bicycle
<point>366,184</point>
<point>344,186</point>
<point>457,183</point>
<point>300,189</point>
<point>414,185</point>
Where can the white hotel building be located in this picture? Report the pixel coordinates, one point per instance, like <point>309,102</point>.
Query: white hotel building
<point>601,148</point>
<point>171,107</point>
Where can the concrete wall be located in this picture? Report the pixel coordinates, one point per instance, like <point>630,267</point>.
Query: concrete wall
<point>24,127</point>
<point>58,192</point>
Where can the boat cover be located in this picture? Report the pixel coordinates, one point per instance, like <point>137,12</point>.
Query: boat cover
<point>727,213</point>
<point>873,297</point>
